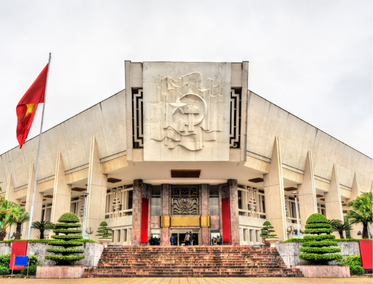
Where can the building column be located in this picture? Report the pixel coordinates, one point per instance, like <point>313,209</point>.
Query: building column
<point>96,187</point>
<point>307,191</point>
<point>274,193</point>
<point>233,207</point>
<point>9,191</point>
<point>355,192</point>
<point>38,203</point>
<point>205,211</point>
<point>61,191</point>
<point>333,204</point>
<point>165,211</point>
<point>136,212</point>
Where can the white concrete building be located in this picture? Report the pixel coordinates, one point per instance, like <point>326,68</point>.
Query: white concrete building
<point>186,147</point>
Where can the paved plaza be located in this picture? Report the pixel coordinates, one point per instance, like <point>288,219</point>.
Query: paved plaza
<point>284,280</point>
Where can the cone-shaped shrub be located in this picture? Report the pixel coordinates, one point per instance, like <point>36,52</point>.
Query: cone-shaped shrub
<point>268,231</point>
<point>67,236</point>
<point>317,248</point>
<point>103,231</point>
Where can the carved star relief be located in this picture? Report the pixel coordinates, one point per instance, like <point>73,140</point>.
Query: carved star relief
<point>177,105</point>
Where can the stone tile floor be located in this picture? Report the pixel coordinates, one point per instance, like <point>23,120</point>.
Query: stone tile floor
<point>285,280</point>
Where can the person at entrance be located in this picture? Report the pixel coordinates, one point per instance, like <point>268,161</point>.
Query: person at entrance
<point>172,240</point>
<point>218,240</point>
<point>191,238</point>
<point>187,238</point>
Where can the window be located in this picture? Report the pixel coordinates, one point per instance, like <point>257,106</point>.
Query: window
<point>155,209</point>
<point>251,201</point>
<point>119,201</point>
<point>240,199</point>
<point>214,200</point>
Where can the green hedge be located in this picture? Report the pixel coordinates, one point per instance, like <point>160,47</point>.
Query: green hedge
<point>4,270</point>
<point>319,238</point>
<point>68,218</point>
<point>47,241</point>
<point>69,225</point>
<point>316,225</point>
<point>320,258</point>
<point>65,244</point>
<point>67,231</point>
<point>325,243</point>
<point>319,250</point>
<point>32,270</point>
<point>5,260</point>
<point>297,240</point>
<point>66,237</point>
<point>65,251</point>
<point>318,231</point>
<point>64,258</point>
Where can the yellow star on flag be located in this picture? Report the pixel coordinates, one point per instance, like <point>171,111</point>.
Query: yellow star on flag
<point>30,108</point>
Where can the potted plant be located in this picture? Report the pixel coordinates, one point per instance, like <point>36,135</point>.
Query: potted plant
<point>267,233</point>
<point>104,233</point>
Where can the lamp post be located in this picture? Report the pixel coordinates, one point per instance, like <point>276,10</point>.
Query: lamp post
<point>85,203</point>
<point>296,211</point>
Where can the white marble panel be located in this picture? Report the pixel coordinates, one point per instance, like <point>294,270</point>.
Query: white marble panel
<point>186,111</point>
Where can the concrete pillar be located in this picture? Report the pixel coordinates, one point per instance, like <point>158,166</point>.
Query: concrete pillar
<point>307,191</point>
<point>38,203</point>
<point>355,192</point>
<point>61,191</point>
<point>233,207</point>
<point>333,203</point>
<point>9,191</point>
<point>205,211</point>
<point>165,210</point>
<point>96,187</point>
<point>136,212</point>
<point>274,193</point>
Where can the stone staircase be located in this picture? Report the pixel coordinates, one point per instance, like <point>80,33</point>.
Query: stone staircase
<point>194,261</point>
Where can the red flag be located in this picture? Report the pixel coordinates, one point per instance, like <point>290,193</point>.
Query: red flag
<point>28,105</point>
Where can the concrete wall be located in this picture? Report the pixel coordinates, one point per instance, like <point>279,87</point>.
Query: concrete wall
<point>267,121</point>
<point>105,121</point>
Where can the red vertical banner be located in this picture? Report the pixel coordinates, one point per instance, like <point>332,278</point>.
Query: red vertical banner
<point>144,220</point>
<point>366,254</point>
<point>19,248</point>
<point>225,222</point>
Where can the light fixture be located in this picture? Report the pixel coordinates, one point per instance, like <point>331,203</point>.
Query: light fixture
<point>359,233</point>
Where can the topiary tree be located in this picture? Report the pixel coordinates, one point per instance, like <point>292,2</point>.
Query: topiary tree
<point>267,231</point>
<point>317,247</point>
<point>68,227</point>
<point>103,231</point>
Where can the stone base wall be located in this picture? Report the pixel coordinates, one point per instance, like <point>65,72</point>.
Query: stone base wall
<point>290,252</point>
<point>92,252</point>
<point>59,272</point>
<point>324,271</point>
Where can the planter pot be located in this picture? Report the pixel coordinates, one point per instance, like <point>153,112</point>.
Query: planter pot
<point>324,271</point>
<point>59,272</point>
<point>105,242</point>
<point>272,241</point>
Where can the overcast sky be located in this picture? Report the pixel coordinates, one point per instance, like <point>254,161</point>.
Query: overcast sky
<point>312,58</point>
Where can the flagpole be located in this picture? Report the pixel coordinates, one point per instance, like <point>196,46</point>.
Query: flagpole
<point>37,157</point>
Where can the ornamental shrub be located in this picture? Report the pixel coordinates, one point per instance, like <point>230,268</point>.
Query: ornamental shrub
<point>316,247</point>
<point>103,231</point>
<point>268,231</point>
<point>66,236</point>
<point>4,270</point>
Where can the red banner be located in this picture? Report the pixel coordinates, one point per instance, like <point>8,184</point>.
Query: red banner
<point>144,220</point>
<point>226,222</point>
<point>19,248</point>
<point>366,254</point>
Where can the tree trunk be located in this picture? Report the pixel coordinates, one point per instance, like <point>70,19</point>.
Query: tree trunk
<point>2,234</point>
<point>18,232</point>
<point>42,234</point>
<point>365,231</point>
<point>341,234</point>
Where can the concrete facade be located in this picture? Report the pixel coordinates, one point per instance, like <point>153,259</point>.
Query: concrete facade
<point>254,153</point>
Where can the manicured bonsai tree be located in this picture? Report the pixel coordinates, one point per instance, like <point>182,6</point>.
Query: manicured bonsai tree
<point>103,231</point>
<point>67,236</point>
<point>317,247</point>
<point>268,231</point>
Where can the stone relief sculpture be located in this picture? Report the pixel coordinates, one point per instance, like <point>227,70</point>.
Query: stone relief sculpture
<point>189,109</point>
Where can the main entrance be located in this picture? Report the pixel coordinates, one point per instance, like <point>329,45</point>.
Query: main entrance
<point>179,235</point>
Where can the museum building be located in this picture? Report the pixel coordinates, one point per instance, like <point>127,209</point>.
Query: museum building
<point>186,147</point>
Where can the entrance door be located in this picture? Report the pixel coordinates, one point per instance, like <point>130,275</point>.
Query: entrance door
<point>179,235</point>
